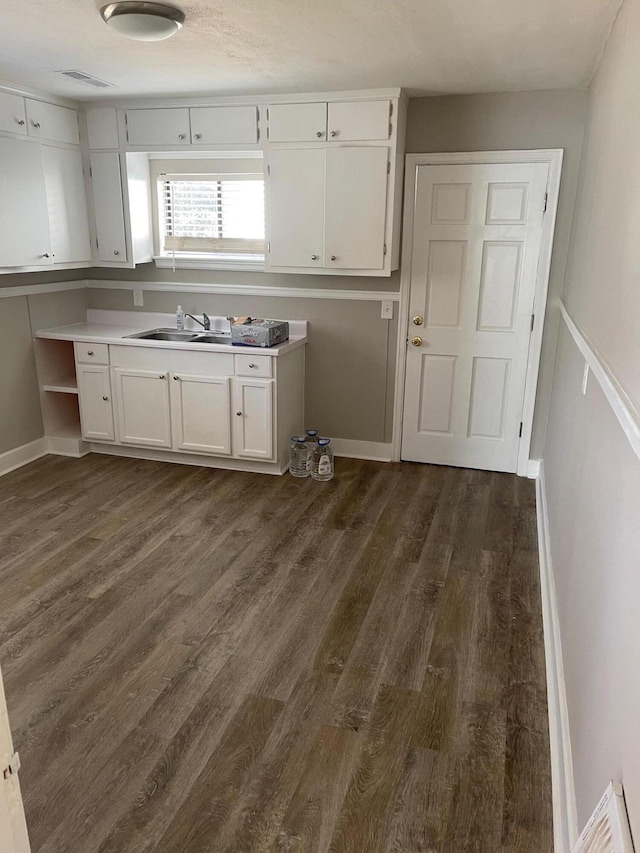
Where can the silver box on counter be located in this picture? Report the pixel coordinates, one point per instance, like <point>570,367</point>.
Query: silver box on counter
<point>248,331</point>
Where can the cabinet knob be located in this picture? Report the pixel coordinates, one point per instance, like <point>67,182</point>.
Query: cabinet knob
<point>333,257</point>
<point>20,121</point>
<point>239,414</point>
<point>253,365</point>
<point>197,136</point>
<point>181,136</point>
<point>314,257</point>
<point>105,399</point>
<point>319,134</point>
<point>163,376</point>
<point>176,378</point>
<point>36,124</point>
<point>333,133</point>
<point>116,252</point>
<point>90,352</point>
<point>46,255</point>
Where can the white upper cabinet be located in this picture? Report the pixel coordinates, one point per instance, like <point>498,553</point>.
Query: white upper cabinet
<point>353,121</point>
<point>108,207</point>
<point>297,122</point>
<point>158,127</point>
<point>48,121</point>
<point>24,217</point>
<point>355,207</point>
<point>13,114</point>
<point>102,128</point>
<point>296,207</point>
<point>67,205</point>
<point>224,125</point>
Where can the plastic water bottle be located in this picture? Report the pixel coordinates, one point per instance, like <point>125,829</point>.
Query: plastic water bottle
<point>311,437</point>
<point>180,318</point>
<point>322,467</point>
<point>299,462</point>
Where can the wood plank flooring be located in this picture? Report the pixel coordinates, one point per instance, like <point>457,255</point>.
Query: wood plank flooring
<point>199,660</point>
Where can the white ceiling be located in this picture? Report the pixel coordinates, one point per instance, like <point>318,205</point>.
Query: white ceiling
<point>253,46</point>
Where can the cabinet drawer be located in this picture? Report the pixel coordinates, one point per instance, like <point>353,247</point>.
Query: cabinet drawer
<point>158,127</point>
<point>250,365</point>
<point>298,122</point>
<point>92,353</point>
<point>13,117</point>
<point>48,121</point>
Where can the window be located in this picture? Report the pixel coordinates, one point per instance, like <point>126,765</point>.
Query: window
<point>213,214</point>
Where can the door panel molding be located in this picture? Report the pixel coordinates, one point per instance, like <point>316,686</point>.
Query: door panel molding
<point>553,157</point>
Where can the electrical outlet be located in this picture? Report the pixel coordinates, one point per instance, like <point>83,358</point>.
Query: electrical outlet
<point>387,310</point>
<point>138,298</point>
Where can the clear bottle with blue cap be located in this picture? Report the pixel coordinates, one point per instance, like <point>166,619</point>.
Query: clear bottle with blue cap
<point>299,457</point>
<point>322,464</point>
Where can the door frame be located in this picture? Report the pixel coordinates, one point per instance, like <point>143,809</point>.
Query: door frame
<point>552,156</point>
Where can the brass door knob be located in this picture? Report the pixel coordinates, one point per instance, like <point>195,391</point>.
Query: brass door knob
<point>416,341</point>
<point>418,320</point>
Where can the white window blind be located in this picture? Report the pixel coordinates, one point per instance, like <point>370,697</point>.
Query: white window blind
<point>205,214</point>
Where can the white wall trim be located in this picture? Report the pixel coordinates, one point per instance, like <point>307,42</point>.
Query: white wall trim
<point>19,456</point>
<point>533,469</point>
<point>377,451</point>
<point>47,287</point>
<point>565,821</point>
<point>622,405</point>
<point>552,156</point>
<point>247,290</point>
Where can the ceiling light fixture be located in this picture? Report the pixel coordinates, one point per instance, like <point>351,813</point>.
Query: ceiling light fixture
<point>143,21</point>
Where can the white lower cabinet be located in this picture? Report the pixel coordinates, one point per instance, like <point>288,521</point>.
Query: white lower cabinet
<point>201,414</point>
<point>143,414</point>
<point>96,406</point>
<point>253,418</point>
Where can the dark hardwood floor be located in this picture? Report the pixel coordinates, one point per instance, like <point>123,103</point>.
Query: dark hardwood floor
<point>200,660</point>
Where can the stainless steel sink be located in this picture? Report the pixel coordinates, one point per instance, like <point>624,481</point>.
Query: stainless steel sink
<point>182,337</point>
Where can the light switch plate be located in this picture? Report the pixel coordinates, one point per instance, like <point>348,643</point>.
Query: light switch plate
<point>138,298</point>
<point>387,310</point>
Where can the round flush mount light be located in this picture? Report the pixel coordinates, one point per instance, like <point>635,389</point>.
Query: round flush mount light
<point>143,21</point>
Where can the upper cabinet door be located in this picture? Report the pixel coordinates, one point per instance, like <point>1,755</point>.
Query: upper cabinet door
<point>24,216</point>
<point>355,208</point>
<point>108,207</point>
<point>48,121</point>
<point>13,115</point>
<point>66,200</point>
<point>224,125</point>
<point>359,120</point>
<point>297,122</point>
<point>296,207</point>
<point>158,127</point>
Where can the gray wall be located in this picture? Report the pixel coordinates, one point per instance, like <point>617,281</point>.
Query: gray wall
<point>505,121</point>
<point>592,475</point>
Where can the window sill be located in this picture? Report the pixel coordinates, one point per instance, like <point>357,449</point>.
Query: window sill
<point>252,263</point>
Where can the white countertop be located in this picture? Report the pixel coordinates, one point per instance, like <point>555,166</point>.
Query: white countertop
<point>113,328</point>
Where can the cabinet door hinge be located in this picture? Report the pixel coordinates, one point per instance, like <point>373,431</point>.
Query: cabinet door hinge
<point>546,200</point>
<point>12,767</point>
<point>90,172</point>
<point>267,113</point>
<point>97,244</point>
<point>389,168</point>
<point>520,432</point>
<point>533,319</point>
<point>258,133</point>
<point>390,129</point>
<point>384,249</point>
<point>267,131</point>
<point>268,167</point>
<point>269,247</point>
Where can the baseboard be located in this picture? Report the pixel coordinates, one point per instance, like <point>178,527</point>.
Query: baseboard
<point>565,821</point>
<point>377,451</point>
<point>255,466</point>
<point>19,456</point>
<point>65,446</point>
<point>533,468</point>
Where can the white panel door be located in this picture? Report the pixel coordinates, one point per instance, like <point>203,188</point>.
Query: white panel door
<point>224,125</point>
<point>359,120</point>
<point>13,116</point>
<point>67,203</point>
<point>48,121</point>
<point>253,418</point>
<point>295,192</point>
<point>158,127</point>
<point>96,407</point>
<point>355,207</point>
<point>297,122</point>
<point>142,407</point>
<point>108,207</point>
<point>13,828</point>
<point>476,242</point>
<point>24,216</point>
<point>201,413</point>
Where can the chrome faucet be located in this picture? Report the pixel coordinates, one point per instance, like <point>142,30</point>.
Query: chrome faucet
<point>205,322</point>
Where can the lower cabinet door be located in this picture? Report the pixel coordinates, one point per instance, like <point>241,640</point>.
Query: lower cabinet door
<point>96,407</point>
<point>252,418</point>
<point>142,407</point>
<point>201,413</point>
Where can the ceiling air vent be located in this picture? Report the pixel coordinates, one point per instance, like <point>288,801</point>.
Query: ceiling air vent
<point>88,79</point>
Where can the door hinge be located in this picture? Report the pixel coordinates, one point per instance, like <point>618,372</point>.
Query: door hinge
<point>267,113</point>
<point>533,319</point>
<point>546,200</point>
<point>384,249</point>
<point>97,244</point>
<point>12,767</point>
<point>389,168</point>
<point>390,129</point>
<point>90,172</point>
<point>520,432</point>
<point>258,133</point>
<point>267,131</point>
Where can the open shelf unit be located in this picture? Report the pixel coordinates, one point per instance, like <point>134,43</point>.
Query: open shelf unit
<point>59,396</point>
